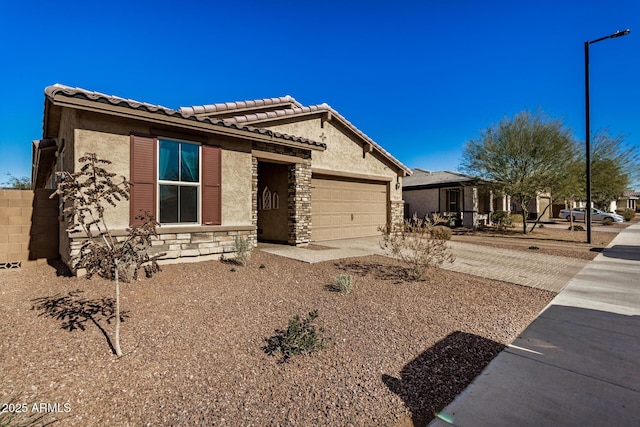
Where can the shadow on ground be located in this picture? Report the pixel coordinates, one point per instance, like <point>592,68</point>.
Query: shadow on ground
<point>433,379</point>
<point>396,273</point>
<point>62,270</point>
<point>628,252</point>
<point>74,311</point>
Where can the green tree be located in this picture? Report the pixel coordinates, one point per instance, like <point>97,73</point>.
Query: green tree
<point>522,156</point>
<point>22,183</point>
<point>571,186</point>
<point>613,168</point>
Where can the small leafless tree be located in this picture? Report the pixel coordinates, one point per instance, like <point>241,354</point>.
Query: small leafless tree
<point>86,195</point>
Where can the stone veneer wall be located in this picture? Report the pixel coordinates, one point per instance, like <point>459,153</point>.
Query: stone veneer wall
<point>299,193</point>
<point>177,245</point>
<point>299,206</point>
<point>397,214</point>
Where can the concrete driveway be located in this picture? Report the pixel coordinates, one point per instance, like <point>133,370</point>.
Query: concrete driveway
<point>541,271</point>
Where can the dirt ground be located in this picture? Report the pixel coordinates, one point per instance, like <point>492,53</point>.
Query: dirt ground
<point>193,338</point>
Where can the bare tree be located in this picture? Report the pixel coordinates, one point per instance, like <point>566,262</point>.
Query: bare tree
<point>17,183</point>
<point>86,195</point>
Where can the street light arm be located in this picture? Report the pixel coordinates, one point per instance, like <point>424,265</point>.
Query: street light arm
<point>611,36</point>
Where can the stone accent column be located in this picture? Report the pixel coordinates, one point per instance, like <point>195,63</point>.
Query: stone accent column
<point>254,199</point>
<point>299,203</point>
<point>396,214</point>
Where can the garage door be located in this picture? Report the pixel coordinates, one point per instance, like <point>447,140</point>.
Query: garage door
<point>342,209</point>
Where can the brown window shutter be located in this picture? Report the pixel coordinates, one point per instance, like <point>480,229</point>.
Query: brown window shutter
<point>143,178</point>
<point>211,179</point>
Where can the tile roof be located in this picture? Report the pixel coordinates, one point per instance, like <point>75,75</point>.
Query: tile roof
<point>296,109</point>
<point>225,107</point>
<point>276,114</point>
<point>51,92</point>
<point>425,178</point>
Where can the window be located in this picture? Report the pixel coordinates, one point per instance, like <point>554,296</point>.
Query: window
<point>453,200</point>
<point>178,182</point>
<point>266,199</point>
<point>182,185</point>
<point>276,201</point>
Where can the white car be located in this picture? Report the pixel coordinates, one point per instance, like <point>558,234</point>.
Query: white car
<point>596,215</point>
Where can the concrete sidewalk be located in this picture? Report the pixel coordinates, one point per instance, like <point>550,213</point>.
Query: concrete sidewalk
<point>578,363</point>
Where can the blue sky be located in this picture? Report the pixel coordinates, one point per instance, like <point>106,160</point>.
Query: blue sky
<point>420,78</point>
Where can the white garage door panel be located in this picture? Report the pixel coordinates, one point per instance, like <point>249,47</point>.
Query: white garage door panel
<point>341,209</point>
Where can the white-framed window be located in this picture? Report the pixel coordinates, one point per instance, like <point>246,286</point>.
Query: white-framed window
<point>179,182</point>
<point>276,201</point>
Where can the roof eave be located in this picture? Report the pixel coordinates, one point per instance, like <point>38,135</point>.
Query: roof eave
<point>62,100</point>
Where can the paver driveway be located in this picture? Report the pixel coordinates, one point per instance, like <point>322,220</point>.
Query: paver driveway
<point>524,268</point>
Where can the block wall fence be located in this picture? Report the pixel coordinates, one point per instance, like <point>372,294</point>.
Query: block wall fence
<point>28,227</point>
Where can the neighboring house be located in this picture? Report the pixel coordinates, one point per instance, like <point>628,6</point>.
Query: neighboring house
<point>268,169</point>
<point>540,208</point>
<point>465,199</point>
<point>629,200</point>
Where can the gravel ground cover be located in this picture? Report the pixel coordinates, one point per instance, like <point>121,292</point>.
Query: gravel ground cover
<point>396,352</point>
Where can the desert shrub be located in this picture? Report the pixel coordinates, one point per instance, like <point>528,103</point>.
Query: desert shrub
<point>441,232</point>
<point>627,214</point>
<point>415,245</point>
<point>243,249</point>
<point>534,248</point>
<point>501,219</point>
<point>577,228</point>
<point>343,283</point>
<point>300,337</point>
<point>437,219</point>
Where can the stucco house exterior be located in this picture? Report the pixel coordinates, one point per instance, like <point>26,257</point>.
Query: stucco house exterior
<point>628,200</point>
<point>465,199</point>
<point>269,169</point>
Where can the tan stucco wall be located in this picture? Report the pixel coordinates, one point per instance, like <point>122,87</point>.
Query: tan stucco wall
<point>236,182</point>
<point>421,202</point>
<point>66,134</point>
<point>343,154</point>
<point>109,138</point>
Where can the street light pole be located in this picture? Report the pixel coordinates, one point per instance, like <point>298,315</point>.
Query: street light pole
<point>588,129</point>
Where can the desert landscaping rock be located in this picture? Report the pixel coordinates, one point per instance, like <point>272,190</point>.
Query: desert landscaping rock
<point>193,335</point>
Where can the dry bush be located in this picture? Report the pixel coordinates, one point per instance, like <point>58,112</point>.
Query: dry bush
<point>417,245</point>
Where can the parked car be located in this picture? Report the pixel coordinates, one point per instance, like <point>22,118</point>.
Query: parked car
<point>596,215</point>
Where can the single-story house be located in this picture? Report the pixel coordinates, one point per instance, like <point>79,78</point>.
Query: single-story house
<point>628,200</point>
<point>466,200</point>
<point>539,208</point>
<point>269,169</point>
